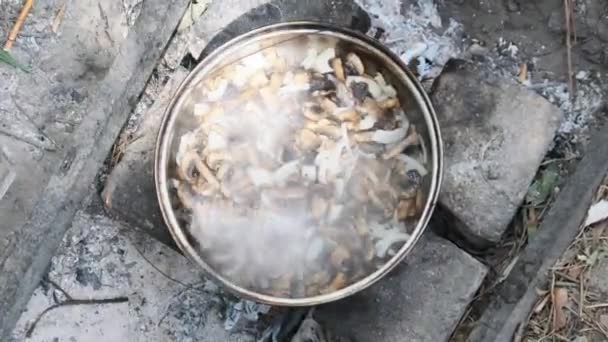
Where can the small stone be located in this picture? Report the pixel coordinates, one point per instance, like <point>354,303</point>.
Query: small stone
<point>478,50</point>
<point>512,5</point>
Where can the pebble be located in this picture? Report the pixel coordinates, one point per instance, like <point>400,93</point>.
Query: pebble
<point>512,5</point>
<point>478,50</point>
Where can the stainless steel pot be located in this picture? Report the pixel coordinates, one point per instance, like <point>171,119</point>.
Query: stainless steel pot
<point>410,92</point>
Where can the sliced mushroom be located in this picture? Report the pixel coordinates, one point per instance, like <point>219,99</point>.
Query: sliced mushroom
<point>328,105</point>
<point>412,164</point>
<point>367,122</point>
<point>192,162</point>
<point>381,136</point>
<point>312,115</point>
<point>318,207</point>
<point>360,90</point>
<point>319,62</point>
<point>301,78</point>
<point>259,79</point>
<point>371,108</point>
<point>270,97</point>
<point>389,103</point>
<point>309,172</point>
<point>215,158</point>
<point>419,202</point>
<point>348,114</point>
<point>201,109</point>
<point>276,80</point>
<point>307,140</point>
<point>410,140</point>
<point>278,63</point>
<point>406,209</point>
<point>372,86</point>
<point>338,282</point>
<point>184,194</point>
<point>325,127</point>
<point>336,64</point>
<point>321,83</point>
<point>355,62</point>
<point>345,96</point>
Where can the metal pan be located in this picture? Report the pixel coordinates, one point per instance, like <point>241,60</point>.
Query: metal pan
<point>413,99</point>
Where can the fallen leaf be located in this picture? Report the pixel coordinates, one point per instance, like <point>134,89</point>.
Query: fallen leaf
<point>575,272</point>
<point>523,72</point>
<point>581,339</point>
<point>560,300</point>
<point>194,11</point>
<point>604,320</point>
<point>597,213</point>
<point>543,185</point>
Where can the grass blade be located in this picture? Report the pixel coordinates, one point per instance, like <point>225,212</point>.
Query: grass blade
<point>6,57</point>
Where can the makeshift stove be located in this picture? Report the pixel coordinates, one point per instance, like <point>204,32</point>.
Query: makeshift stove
<point>496,133</point>
<point>486,123</point>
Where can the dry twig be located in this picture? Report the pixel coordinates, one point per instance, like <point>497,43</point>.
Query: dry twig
<point>568,10</point>
<point>12,36</point>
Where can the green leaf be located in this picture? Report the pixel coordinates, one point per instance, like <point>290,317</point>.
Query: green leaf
<point>6,57</point>
<point>543,185</point>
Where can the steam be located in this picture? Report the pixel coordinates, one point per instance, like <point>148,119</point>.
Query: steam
<point>294,185</point>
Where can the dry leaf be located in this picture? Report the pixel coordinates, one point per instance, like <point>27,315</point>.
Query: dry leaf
<point>604,320</point>
<point>523,72</point>
<point>598,212</point>
<point>581,339</point>
<point>560,300</point>
<point>575,272</point>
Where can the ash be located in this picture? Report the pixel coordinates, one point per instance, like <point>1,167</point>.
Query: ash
<point>100,259</point>
<point>415,32</point>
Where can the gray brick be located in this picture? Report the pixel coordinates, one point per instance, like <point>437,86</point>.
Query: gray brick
<point>129,193</point>
<point>423,299</point>
<point>496,133</point>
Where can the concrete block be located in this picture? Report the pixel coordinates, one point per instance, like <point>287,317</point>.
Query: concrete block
<point>495,133</point>
<point>129,193</point>
<point>423,299</point>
